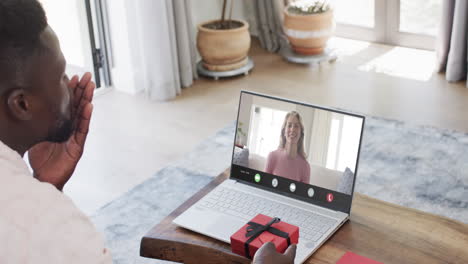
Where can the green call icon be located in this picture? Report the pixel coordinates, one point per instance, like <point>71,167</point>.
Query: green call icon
<point>257,177</point>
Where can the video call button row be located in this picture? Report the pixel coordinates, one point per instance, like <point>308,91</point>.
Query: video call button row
<point>292,187</point>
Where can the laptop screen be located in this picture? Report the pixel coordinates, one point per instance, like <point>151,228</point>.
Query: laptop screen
<point>299,150</point>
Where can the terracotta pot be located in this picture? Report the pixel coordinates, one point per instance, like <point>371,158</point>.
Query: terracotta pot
<point>223,49</point>
<point>308,34</point>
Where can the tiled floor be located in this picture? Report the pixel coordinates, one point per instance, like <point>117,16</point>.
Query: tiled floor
<point>131,138</point>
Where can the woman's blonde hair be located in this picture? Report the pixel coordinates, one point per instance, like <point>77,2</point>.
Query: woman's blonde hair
<point>300,143</point>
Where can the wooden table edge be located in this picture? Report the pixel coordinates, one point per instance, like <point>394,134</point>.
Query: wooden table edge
<point>167,244</point>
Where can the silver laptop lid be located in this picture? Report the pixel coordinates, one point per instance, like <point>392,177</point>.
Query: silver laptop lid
<point>299,150</point>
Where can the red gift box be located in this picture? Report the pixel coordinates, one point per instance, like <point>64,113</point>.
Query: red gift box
<point>260,230</point>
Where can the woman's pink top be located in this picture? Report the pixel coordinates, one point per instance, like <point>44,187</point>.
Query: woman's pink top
<point>280,164</point>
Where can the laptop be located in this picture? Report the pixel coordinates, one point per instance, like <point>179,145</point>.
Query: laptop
<point>290,160</point>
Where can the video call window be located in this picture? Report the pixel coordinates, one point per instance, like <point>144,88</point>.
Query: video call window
<point>302,143</point>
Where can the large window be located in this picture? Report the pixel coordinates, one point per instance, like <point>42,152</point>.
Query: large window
<point>411,23</point>
<point>265,120</point>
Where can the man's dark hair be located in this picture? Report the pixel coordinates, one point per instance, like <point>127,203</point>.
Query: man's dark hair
<point>21,24</point>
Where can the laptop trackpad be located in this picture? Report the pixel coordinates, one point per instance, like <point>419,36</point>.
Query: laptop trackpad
<point>210,223</point>
<point>226,226</point>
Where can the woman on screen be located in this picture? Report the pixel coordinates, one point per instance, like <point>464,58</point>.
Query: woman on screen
<point>290,160</point>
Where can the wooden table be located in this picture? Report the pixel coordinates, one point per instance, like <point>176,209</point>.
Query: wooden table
<point>382,231</point>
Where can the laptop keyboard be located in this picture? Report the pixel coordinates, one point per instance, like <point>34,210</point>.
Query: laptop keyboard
<point>240,204</point>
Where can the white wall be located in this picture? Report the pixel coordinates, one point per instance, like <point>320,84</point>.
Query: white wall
<point>307,115</point>
<point>320,135</point>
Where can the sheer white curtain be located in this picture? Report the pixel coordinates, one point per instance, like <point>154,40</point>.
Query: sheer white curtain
<point>452,42</point>
<point>268,15</point>
<point>166,59</point>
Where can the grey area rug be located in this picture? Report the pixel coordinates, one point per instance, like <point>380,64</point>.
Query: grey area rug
<point>425,168</point>
<point>127,219</point>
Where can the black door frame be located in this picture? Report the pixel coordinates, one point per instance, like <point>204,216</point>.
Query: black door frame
<point>100,55</point>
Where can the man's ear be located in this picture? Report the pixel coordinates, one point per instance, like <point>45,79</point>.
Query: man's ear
<point>19,105</point>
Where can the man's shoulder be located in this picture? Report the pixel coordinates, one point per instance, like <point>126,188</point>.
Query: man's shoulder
<point>46,224</point>
<point>26,201</point>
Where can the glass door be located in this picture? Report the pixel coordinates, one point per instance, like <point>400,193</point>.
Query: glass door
<point>414,23</point>
<point>75,23</point>
<point>411,23</point>
<point>359,19</point>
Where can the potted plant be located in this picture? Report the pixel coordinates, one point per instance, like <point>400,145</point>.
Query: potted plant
<point>308,25</point>
<point>224,43</point>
